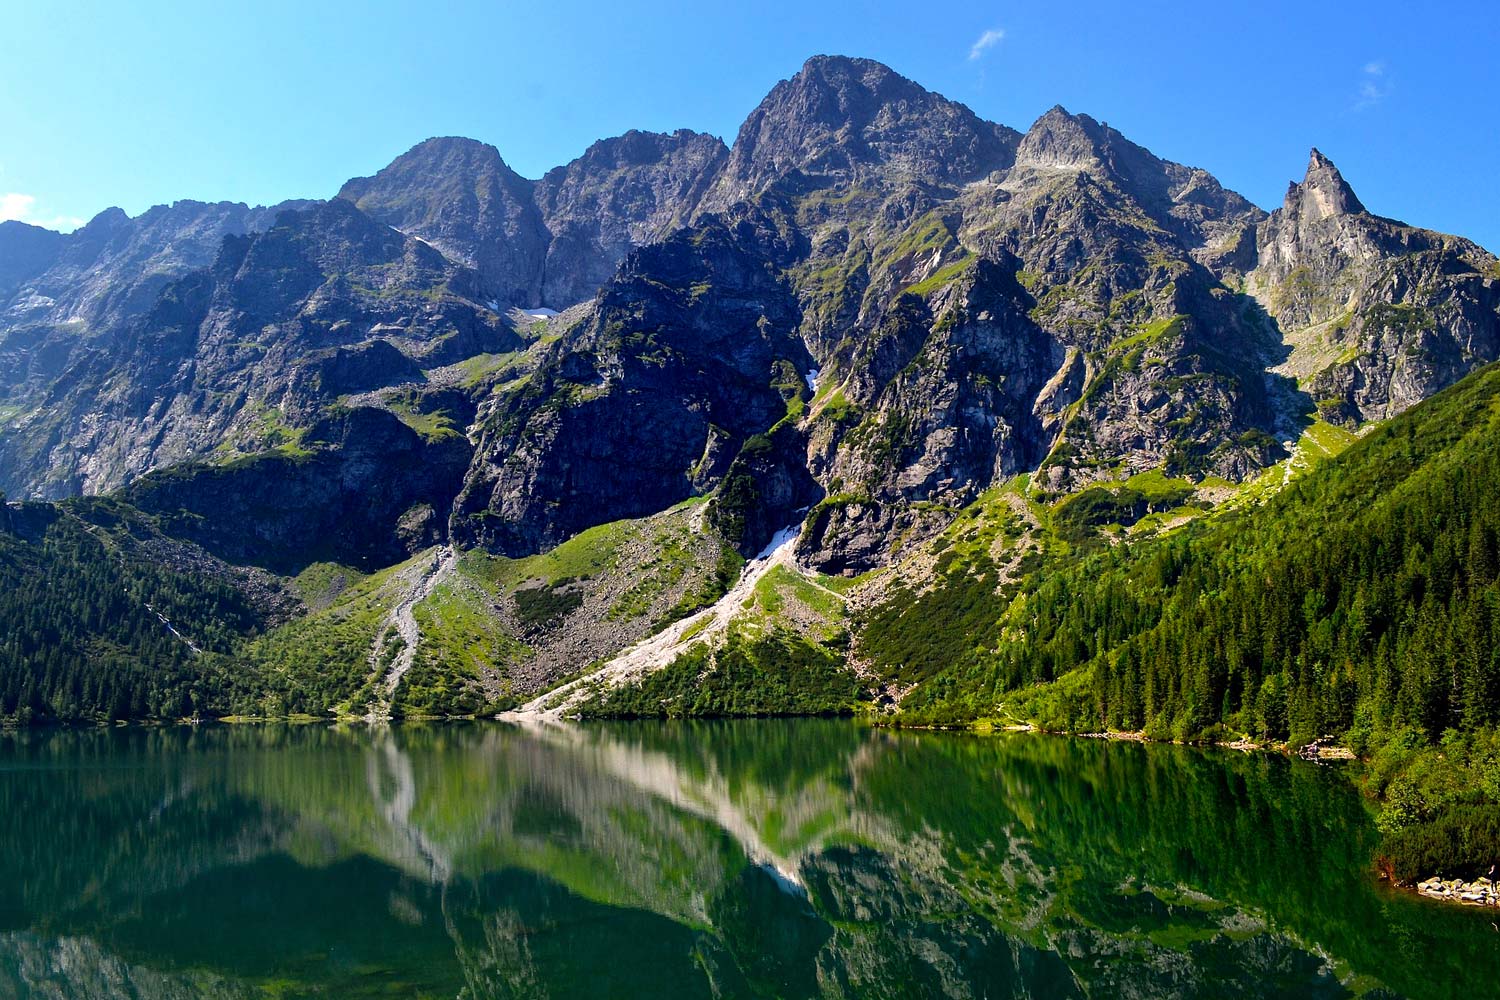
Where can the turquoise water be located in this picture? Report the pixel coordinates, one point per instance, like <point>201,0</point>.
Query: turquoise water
<point>793,859</point>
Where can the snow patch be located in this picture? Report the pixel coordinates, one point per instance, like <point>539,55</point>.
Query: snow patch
<point>812,378</point>
<point>659,650</point>
<point>542,313</point>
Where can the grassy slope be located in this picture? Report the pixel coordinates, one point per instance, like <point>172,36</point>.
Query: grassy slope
<point>1357,598</point>
<point>783,654</point>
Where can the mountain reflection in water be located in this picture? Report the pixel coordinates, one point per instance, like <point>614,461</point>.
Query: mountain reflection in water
<point>793,859</point>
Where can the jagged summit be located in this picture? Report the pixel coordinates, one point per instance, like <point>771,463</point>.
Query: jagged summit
<point>875,307</point>
<point>1060,138</point>
<point>965,287</point>
<point>1323,192</point>
<point>459,195</point>
<point>844,119</point>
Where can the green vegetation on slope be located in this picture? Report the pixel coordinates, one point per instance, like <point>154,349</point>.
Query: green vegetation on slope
<point>775,673</point>
<point>85,613</point>
<point>314,665</point>
<point>1362,601</point>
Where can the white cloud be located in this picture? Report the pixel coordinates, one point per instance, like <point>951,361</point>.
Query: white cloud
<point>22,208</point>
<point>985,42</point>
<point>15,206</point>
<point>1373,86</point>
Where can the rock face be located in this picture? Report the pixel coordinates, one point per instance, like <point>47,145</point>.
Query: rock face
<point>840,122</point>
<point>690,351</point>
<point>620,194</point>
<point>874,305</point>
<point>459,196</point>
<point>1378,314</point>
<point>976,303</point>
<point>63,295</point>
<point>362,493</point>
<point>250,354</point>
<point>114,267</point>
<point>551,242</point>
<point>25,252</point>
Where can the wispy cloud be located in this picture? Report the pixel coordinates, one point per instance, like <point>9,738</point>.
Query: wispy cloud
<point>18,207</point>
<point>15,206</point>
<point>985,42</point>
<point>1374,86</point>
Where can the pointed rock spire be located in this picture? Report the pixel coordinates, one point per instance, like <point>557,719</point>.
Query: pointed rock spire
<point>1323,192</point>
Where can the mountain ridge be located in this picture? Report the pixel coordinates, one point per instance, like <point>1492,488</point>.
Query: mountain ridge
<point>866,316</point>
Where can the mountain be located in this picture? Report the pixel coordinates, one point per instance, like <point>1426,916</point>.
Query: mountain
<point>62,294</point>
<point>486,430</point>
<point>248,354</point>
<point>622,193</point>
<point>842,122</point>
<point>1378,314</point>
<point>459,197</point>
<point>551,242</point>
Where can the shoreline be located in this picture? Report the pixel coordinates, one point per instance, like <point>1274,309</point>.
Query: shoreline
<point>1480,892</point>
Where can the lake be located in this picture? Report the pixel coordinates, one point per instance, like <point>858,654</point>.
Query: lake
<point>739,859</point>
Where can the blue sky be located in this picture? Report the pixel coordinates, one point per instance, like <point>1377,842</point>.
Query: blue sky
<point>134,104</point>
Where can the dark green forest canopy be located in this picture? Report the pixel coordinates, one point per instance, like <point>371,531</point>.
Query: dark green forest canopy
<point>1362,597</point>
<point>93,627</point>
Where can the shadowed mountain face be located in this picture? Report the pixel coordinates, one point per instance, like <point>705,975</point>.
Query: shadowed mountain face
<point>248,355</point>
<point>875,304</point>
<point>551,242</point>
<point>747,859</point>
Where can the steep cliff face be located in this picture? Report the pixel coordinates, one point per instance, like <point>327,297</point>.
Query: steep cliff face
<point>551,242</point>
<point>622,193</point>
<point>871,310</point>
<point>975,303</point>
<point>246,355</point>
<point>1046,305</point>
<point>114,267</point>
<point>690,351</point>
<point>875,305</point>
<point>1378,314</point>
<point>63,294</point>
<point>460,197</point>
<point>363,490</point>
<point>25,251</point>
<point>843,121</point>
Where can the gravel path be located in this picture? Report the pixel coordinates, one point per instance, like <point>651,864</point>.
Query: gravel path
<point>419,583</point>
<point>662,648</point>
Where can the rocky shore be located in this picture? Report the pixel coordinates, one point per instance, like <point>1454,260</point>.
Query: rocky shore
<point>1480,892</point>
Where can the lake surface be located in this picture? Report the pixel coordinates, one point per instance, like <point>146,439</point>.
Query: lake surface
<point>794,859</point>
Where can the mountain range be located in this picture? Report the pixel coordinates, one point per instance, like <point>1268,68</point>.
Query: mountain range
<point>464,435</point>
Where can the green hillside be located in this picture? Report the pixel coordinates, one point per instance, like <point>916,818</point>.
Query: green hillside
<point>1361,602</point>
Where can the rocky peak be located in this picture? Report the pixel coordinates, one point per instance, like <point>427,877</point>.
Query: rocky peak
<point>841,120</point>
<point>110,270</point>
<point>1323,192</point>
<point>635,149</point>
<point>25,250</point>
<point>428,160</point>
<point>1060,139</point>
<point>335,236</point>
<point>620,194</point>
<point>1185,201</point>
<point>460,196</point>
<point>109,220</point>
